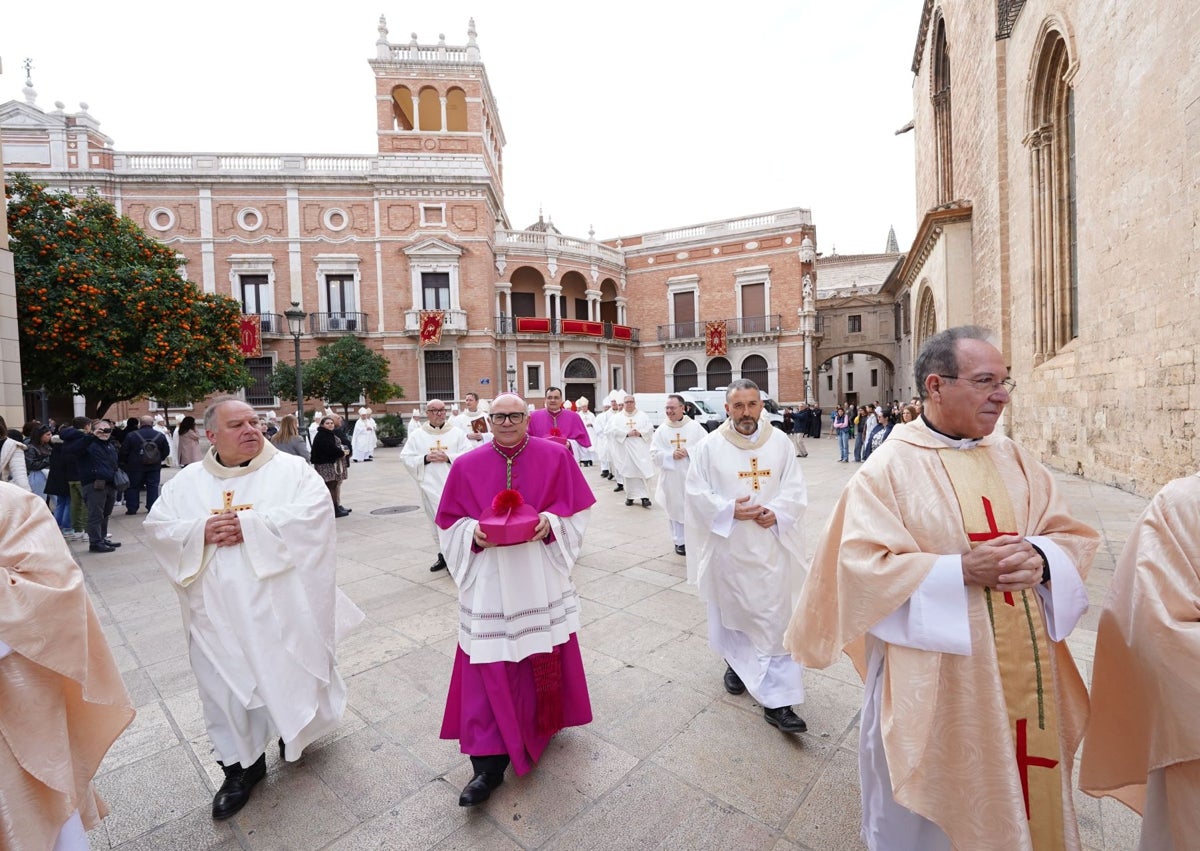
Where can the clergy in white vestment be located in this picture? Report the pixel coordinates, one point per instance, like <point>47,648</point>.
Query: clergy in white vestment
<point>745,504</point>
<point>629,434</point>
<point>427,455</point>
<point>587,454</point>
<point>1143,744</point>
<point>603,444</point>
<point>473,421</point>
<point>247,538</point>
<point>670,450</point>
<point>362,441</point>
<point>512,520</point>
<point>951,573</point>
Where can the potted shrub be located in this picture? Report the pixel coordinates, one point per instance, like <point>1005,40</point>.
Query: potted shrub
<point>390,429</point>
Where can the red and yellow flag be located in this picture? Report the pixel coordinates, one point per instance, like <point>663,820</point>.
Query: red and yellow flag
<point>431,326</point>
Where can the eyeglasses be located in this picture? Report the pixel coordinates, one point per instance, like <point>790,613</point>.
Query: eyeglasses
<point>986,384</point>
<point>104,431</point>
<point>515,417</point>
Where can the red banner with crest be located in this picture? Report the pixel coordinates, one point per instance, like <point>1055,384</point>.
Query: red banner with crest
<point>431,326</point>
<point>250,335</point>
<point>715,341</point>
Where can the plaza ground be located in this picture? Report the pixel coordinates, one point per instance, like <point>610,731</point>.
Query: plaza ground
<point>671,761</point>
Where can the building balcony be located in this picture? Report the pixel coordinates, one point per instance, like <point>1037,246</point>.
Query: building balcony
<point>332,324</point>
<point>542,326</point>
<point>273,325</point>
<point>742,329</point>
<point>453,322</point>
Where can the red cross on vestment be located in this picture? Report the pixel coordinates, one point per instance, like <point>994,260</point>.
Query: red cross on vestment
<point>991,533</point>
<point>1025,760</point>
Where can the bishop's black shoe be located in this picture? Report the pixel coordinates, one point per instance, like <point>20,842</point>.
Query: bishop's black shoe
<point>479,789</point>
<point>733,683</point>
<point>440,564</point>
<point>235,791</point>
<point>785,720</point>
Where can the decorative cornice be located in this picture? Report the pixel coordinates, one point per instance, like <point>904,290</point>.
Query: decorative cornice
<point>928,235</point>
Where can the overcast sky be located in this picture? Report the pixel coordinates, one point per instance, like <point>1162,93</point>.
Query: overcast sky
<point>626,116</point>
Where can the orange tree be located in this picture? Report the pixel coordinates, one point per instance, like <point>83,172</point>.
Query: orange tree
<point>103,310</point>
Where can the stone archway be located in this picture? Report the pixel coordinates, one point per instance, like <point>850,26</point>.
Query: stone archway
<point>579,379</point>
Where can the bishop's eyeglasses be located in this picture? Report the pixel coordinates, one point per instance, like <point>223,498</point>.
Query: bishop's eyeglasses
<point>514,418</point>
<point>985,385</point>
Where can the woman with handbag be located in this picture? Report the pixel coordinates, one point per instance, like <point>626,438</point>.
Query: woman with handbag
<point>329,460</point>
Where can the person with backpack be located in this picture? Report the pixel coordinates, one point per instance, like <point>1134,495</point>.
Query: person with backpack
<point>142,454</point>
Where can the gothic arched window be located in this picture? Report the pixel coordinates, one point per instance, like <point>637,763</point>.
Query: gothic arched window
<point>943,138</point>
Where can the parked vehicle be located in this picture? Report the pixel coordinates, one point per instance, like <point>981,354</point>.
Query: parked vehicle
<point>715,401</point>
<point>654,404</point>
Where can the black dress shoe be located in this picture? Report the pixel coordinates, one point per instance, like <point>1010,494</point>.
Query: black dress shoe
<point>101,548</point>
<point>281,749</point>
<point>629,502</point>
<point>785,720</point>
<point>440,564</point>
<point>480,788</point>
<point>733,683</point>
<point>235,791</point>
<point>618,488</point>
<point>680,550</point>
<point>604,474</point>
<point>645,502</point>
<point>345,509</point>
<point>112,543</point>
<point>340,512</point>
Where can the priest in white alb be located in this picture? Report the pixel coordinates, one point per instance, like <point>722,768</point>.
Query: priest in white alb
<point>746,497</point>
<point>670,450</point>
<point>247,538</point>
<point>427,455</point>
<point>587,454</point>
<point>951,573</point>
<point>512,521</point>
<point>610,406</point>
<point>1143,744</point>
<point>473,420</point>
<point>629,434</point>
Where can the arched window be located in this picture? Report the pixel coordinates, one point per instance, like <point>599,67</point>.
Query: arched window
<point>720,373</point>
<point>1051,142</point>
<point>579,368</point>
<point>684,375</point>
<point>943,139</point>
<point>402,108</point>
<point>754,367</point>
<point>926,320</point>
<point>456,111</point>
<point>430,106</point>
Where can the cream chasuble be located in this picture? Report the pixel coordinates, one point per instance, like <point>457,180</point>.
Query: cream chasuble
<point>938,731</point>
<point>685,434</point>
<point>266,614</point>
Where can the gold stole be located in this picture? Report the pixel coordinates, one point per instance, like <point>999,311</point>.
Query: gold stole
<point>1022,649</point>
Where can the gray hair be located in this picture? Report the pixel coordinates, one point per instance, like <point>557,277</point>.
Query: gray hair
<point>939,356</point>
<point>146,420</point>
<point>210,415</point>
<point>741,384</point>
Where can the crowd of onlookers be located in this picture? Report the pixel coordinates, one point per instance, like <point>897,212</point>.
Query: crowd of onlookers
<point>860,429</point>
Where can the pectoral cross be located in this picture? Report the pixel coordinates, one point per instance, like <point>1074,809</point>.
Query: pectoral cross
<point>753,473</point>
<point>992,532</point>
<point>227,505</point>
<point>437,446</point>
<point>631,423</point>
<point>678,442</point>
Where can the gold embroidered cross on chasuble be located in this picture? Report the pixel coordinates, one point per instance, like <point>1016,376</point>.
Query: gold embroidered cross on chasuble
<point>227,505</point>
<point>1022,649</point>
<point>754,473</point>
<point>678,441</point>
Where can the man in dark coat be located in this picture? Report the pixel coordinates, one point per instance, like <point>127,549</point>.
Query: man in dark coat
<point>143,463</point>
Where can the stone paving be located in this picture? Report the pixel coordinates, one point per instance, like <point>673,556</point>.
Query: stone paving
<point>671,760</point>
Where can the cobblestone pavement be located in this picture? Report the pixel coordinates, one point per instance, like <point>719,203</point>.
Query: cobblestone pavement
<point>671,760</point>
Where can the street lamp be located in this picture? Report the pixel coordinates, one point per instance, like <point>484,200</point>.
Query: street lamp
<point>512,378</point>
<point>807,389</point>
<point>295,319</point>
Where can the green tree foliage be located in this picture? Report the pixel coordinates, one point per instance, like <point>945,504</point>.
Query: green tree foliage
<point>103,310</point>
<point>341,372</point>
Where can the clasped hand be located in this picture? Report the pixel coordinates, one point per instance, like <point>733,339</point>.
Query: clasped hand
<point>1005,564</point>
<point>743,509</point>
<point>224,529</point>
<point>540,531</point>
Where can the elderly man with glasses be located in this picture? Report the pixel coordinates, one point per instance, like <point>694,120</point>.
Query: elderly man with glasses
<point>951,573</point>
<point>428,454</point>
<point>512,520</point>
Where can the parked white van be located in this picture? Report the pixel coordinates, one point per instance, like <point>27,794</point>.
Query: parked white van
<point>715,400</point>
<point>654,405</point>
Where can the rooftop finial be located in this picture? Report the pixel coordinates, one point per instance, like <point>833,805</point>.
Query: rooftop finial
<point>383,50</point>
<point>893,247</point>
<point>472,47</point>
<point>30,94</point>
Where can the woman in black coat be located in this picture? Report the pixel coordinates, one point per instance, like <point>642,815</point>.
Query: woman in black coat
<point>328,458</point>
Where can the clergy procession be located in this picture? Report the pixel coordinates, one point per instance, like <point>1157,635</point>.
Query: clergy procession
<point>951,573</point>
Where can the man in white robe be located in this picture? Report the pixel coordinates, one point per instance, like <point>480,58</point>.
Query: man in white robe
<point>362,441</point>
<point>586,454</point>
<point>746,497</point>
<point>603,444</point>
<point>427,455</point>
<point>629,434</point>
<point>473,421</point>
<point>247,538</point>
<point>934,576</point>
<point>670,450</point>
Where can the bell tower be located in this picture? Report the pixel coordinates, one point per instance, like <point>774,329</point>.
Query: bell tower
<point>434,104</point>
